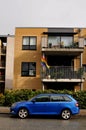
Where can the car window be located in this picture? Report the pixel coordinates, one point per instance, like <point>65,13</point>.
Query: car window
<point>67,98</point>
<point>57,98</point>
<point>42,99</point>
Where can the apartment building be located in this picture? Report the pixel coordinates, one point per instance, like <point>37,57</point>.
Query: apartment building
<point>49,58</point>
<point>6,62</point>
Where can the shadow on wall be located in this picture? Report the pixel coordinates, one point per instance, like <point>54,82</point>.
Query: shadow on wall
<point>8,84</point>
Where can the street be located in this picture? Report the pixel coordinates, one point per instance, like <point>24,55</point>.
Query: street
<point>41,123</point>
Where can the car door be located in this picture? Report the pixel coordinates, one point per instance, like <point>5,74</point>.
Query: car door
<point>39,104</point>
<point>55,104</point>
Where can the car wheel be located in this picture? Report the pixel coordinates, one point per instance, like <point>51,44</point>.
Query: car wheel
<point>66,114</point>
<point>23,113</point>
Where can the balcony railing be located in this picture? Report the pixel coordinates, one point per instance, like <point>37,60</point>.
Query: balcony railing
<point>2,78</point>
<point>61,72</point>
<point>2,64</point>
<point>2,50</point>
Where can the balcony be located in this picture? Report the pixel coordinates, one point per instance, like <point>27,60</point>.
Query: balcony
<point>62,74</point>
<point>2,78</point>
<point>62,47</point>
<point>2,51</point>
<point>2,65</point>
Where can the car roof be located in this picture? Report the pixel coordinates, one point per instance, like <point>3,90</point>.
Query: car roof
<point>50,94</point>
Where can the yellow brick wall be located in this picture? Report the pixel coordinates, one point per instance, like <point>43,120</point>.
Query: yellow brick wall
<point>34,56</point>
<point>83,34</point>
<point>77,62</point>
<point>27,56</point>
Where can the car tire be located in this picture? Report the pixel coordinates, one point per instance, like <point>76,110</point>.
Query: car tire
<point>66,114</point>
<point>23,113</point>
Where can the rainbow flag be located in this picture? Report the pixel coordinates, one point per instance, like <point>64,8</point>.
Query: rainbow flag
<point>44,62</point>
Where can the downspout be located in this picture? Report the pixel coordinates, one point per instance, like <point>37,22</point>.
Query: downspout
<point>81,66</point>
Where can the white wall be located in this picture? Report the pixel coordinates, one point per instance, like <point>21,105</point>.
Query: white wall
<point>9,63</point>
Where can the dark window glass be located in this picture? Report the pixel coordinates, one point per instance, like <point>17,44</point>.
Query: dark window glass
<point>28,69</point>
<point>43,99</point>
<point>57,98</point>
<point>29,43</point>
<point>67,98</point>
<point>84,68</point>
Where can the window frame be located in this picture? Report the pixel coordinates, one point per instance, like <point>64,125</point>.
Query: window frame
<point>42,98</point>
<point>28,70</point>
<point>84,67</point>
<point>28,47</point>
<point>57,98</point>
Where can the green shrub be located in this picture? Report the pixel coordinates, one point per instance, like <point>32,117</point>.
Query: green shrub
<point>2,99</point>
<point>81,98</point>
<point>11,96</point>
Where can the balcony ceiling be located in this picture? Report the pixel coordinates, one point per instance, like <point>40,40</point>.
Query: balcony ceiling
<point>62,51</point>
<point>60,33</point>
<point>63,80</point>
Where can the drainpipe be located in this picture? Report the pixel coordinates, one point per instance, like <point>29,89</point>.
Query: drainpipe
<point>81,60</point>
<point>81,86</point>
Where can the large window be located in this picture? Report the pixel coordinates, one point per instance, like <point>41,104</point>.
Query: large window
<point>58,40</point>
<point>84,67</point>
<point>29,43</point>
<point>28,69</point>
<point>54,40</point>
<point>67,41</point>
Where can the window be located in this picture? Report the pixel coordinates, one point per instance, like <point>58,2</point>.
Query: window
<point>57,98</point>
<point>28,69</point>
<point>84,67</point>
<point>67,41</point>
<point>58,40</point>
<point>85,42</point>
<point>43,99</point>
<point>29,43</point>
<point>55,41</point>
<point>67,99</point>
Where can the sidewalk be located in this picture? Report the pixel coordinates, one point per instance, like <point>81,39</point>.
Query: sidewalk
<point>6,110</point>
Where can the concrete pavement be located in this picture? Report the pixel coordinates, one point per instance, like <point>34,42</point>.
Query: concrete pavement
<point>6,110</point>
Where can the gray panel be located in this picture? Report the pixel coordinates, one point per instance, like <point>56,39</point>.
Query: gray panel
<point>60,30</point>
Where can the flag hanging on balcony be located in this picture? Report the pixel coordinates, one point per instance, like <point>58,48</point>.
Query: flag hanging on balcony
<point>44,62</point>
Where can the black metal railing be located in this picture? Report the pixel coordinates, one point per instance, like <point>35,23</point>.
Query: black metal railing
<point>62,72</point>
<point>2,64</point>
<point>3,51</point>
<point>2,78</point>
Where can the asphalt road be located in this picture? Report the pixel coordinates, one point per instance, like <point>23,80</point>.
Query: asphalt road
<point>41,123</point>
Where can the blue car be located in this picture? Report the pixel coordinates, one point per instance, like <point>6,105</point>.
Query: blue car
<point>46,104</point>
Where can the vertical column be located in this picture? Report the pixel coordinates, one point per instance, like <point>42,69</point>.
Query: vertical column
<point>81,86</point>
